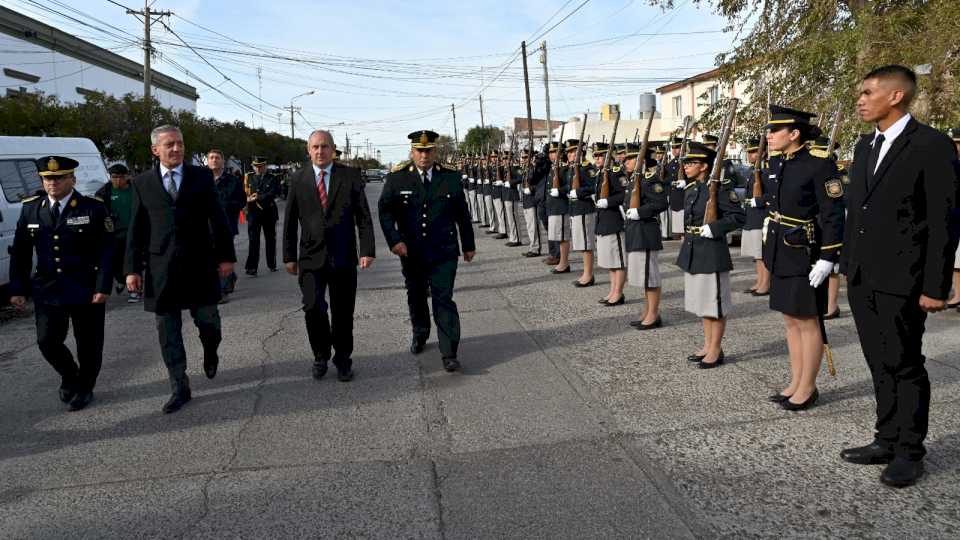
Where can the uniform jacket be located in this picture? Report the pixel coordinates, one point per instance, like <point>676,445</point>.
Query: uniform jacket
<point>426,221</point>
<point>177,245</point>
<point>610,219</point>
<point>267,187</point>
<point>755,216</point>
<point>314,238</point>
<point>512,176</point>
<point>558,206</point>
<point>538,182</point>
<point>644,234</point>
<point>676,194</point>
<point>232,199</point>
<point>700,255</point>
<point>896,238</point>
<point>73,255</point>
<point>805,187</point>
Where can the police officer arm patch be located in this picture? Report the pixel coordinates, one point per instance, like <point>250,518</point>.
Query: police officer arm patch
<point>108,224</point>
<point>733,197</point>
<point>657,187</point>
<point>834,188</point>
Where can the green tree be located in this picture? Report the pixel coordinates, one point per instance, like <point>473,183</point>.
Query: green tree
<point>480,139</point>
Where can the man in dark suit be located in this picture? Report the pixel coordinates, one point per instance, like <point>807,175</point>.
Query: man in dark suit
<point>421,209</point>
<point>179,248</point>
<point>897,255</point>
<point>325,204</point>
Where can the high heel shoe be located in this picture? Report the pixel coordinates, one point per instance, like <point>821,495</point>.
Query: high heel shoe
<point>711,365</point>
<point>619,302</point>
<point>791,406</point>
<point>564,271</point>
<point>696,357</point>
<point>655,324</point>
<point>831,316</point>
<point>778,398</point>
<point>590,283</point>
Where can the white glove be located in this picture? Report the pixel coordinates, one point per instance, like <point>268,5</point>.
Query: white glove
<point>486,182</point>
<point>705,232</point>
<point>836,268</point>
<point>572,195</point>
<point>498,183</point>
<point>464,177</point>
<point>472,181</point>
<point>633,213</point>
<point>554,192</point>
<point>752,203</point>
<point>820,272</point>
<point>602,203</point>
<point>681,184</point>
<point>526,191</point>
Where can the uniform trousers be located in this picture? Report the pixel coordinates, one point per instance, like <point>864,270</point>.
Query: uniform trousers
<point>119,253</point>
<point>53,322</point>
<point>491,212</point>
<point>472,202</point>
<point>336,330</point>
<point>256,223</point>
<point>170,332</point>
<point>510,213</point>
<point>553,246</point>
<point>439,278</point>
<point>891,334</point>
<point>498,205</point>
<point>481,206</point>
<point>533,228</point>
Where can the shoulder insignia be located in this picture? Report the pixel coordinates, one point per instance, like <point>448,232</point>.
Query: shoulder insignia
<point>107,224</point>
<point>73,203</point>
<point>593,173</point>
<point>822,154</point>
<point>690,185</point>
<point>834,188</point>
<point>400,167</point>
<point>616,168</point>
<point>657,187</point>
<point>30,199</point>
<point>774,153</point>
<point>733,197</point>
<point>94,197</point>
<point>650,174</point>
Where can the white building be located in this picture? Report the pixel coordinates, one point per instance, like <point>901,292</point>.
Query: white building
<point>36,57</point>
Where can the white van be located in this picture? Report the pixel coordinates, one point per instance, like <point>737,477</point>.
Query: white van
<point>19,179</point>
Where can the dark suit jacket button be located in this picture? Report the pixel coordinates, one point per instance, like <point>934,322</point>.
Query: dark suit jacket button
<point>860,231</point>
<point>864,207</point>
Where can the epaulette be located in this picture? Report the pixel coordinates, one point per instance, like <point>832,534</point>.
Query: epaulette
<point>442,167</point>
<point>650,174</point>
<point>774,153</point>
<point>593,173</point>
<point>96,198</point>
<point>725,181</point>
<point>401,166</point>
<point>822,154</point>
<point>689,185</point>
<point>30,199</point>
<point>616,168</point>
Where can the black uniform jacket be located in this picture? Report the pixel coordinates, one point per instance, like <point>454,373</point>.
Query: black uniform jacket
<point>676,194</point>
<point>807,193</point>
<point>558,206</point>
<point>644,234</point>
<point>484,183</point>
<point>583,204</point>
<point>232,198</point>
<point>426,221</point>
<point>177,245</point>
<point>314,238</point>
<point>610,219</point>
<point>755,216</point>
<point>538,175</point>
<point>511,179</point>
<point>699,255</point>
<point>267,187</point>
<point>897,239</point>
<point>73,255</point>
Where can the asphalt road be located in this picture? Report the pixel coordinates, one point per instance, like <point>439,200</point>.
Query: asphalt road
<point>565,423</point>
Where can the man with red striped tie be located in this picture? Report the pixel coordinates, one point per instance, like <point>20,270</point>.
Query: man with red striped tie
<point>325,204</point>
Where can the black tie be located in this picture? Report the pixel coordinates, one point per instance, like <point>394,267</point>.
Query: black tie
<point>56,212</point>
<point>873,159</point>
<point>426,181</point>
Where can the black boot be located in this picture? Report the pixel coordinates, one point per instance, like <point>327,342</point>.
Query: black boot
<point>181,396</point>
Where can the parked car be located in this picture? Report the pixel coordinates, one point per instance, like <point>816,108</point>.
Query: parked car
<point>373,175</point>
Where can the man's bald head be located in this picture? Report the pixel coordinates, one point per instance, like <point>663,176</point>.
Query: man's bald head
<point>327,136</point>
<point>321,148</point>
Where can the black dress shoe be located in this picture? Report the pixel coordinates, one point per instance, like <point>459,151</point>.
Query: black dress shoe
<point>564,271</point>
<point>319,368</point>
<point>500,237</point>
<point>177,401</point>
<point>210,363</point>
<point>711,365</point>
<point>513,244</point>
<point>777,398</point>
<point>952,305</point>
<point>250,272</point>
<point>655,324</point>
<point>590,283</point>
<point>416,345</point>
<point>66,394</point>
<point>344,375</point>
<point>791,406</point>
<point>451,364</point>
<point>871,454</point>
<point>696,357</point>
<point>834,315</point>
<point>603,301</point>
<point>758,293</point>
<point>532,254</point>
<point>902,472</point>
<point>749,291</point>
<point>619,302</point>
<point>80,401</point>
<point>274,269</point>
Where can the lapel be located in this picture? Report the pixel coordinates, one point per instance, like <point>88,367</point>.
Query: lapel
<point>898,145</point>
<point>335,186</point>
<point>43,213</point>
<point>309,195</point>
<point>163,189</point>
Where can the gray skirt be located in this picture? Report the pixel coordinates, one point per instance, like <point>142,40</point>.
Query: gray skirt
<point>707,295</point>
<point>610,253</point>
<point>643,269</point>
<point>751,244</point>
<point>558,228</point>
<point>956,259</point>
<point>676,221</point>
<point>583,232</point>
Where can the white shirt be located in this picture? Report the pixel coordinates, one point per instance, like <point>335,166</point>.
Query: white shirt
<point>177,175</point>
<point>429,173</point>
<point>889,136</point>
<point>63,201</point>
<point>326,176</point>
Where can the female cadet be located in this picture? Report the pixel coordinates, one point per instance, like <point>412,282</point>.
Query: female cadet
<point>610,249</point>
<point>583,219</point>
<point>558,222</point>
<point>751,242</point>
<point>704,255</point>
<point>805,231</point>
<point>643,235</point>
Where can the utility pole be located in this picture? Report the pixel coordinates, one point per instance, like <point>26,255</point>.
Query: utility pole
<point>260,92</point>
<point>482,123</point>
<point>148,19</point>
<point>546,85</point>
<point>526,89</point>
<point>456,138</point>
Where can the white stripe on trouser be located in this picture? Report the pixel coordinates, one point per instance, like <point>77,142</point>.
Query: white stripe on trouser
<point>533,227</point>
<point>510,212</point>
<point>501,218</point>
<point>491,212</point>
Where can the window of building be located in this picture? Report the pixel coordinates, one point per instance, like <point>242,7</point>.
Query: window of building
<point>19,179</point>
<point>12,73</point>
<point>678,106</point>
<point>714,94</point>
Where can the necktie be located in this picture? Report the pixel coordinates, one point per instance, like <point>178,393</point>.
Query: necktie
<point>322,190</point>
<point>171,185</point>
<point>56,212</point>
<point>426,180</point>
<point>873,159</point>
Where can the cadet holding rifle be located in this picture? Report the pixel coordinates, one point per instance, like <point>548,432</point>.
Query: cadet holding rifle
<point>751,241</point>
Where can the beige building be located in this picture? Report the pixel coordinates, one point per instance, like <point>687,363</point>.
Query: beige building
<point>693,96</point>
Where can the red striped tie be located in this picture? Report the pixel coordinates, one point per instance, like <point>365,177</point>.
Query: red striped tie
<point>322,190</point>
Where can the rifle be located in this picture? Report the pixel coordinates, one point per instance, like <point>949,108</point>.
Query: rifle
<point>575,182</point>
<point>637,173</point>
<point>834,129</point>
<point>758,167</point>
<point>555,182</point>
<point>687,126</point>
<point>605,179</point>
<point>710,215</point>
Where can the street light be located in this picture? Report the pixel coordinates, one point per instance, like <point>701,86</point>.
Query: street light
<point>310,93</point>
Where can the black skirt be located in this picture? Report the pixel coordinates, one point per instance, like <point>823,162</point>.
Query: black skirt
<point>794,296</point>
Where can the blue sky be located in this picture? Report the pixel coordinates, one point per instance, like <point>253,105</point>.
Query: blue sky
<point>381,69</point>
